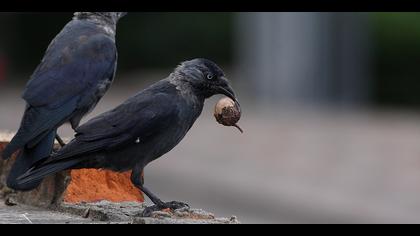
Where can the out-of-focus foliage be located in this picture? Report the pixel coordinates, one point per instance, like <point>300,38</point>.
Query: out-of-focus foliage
<point>145,40</point>
<point>161,40</point>
<point>164,39</point>
<point>396,57</point>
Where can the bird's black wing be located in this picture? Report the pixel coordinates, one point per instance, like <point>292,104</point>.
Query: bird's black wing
<point>75,64</point>
<point>70,68</point>
<point>140,117</point>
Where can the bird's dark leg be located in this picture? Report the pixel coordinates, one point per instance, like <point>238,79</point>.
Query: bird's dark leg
<point>138,181</point>
<point>60,141</point>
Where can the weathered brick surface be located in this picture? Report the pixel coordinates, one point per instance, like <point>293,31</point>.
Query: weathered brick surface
<point>47,194</point>
<point>90,185</point>
<point>83,186</point>
<point>87,196</point>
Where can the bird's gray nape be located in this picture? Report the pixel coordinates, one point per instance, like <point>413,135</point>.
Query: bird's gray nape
<point>107,21</point>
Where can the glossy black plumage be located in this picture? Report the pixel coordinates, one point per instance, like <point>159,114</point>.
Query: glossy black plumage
<point>143,128</point>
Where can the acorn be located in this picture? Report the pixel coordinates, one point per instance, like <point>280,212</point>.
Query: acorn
<point>228,112</point>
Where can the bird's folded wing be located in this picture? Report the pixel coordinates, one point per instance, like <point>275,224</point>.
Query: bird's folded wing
<point>68,69</point>
<point>36,123</point>
<point>122,126</point>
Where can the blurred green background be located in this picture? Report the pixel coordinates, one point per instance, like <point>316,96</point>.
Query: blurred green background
<point>396,51</point>
<point>145,40</point>
<point>161,40</point>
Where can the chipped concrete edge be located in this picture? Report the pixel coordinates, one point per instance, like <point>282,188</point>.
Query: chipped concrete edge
<point>129,212</point>
<point>104,211</point>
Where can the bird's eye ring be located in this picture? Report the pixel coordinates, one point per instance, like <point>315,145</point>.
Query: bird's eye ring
<point>209,76</point>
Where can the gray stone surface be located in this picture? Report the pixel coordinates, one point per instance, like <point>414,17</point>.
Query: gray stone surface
<point>47,194</point>
<point>129,212</point>
<point>20,214</point>
<point>104,213</point>
<point>48,197</point>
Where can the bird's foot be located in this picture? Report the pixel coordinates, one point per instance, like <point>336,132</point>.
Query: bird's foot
<point>174,205</point>
<point>60,140</point>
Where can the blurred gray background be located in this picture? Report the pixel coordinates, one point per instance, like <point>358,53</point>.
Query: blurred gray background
<point>330,109</point>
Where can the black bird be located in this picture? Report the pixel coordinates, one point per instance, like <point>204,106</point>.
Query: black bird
<point>142,129</point>
<point>75,72</point>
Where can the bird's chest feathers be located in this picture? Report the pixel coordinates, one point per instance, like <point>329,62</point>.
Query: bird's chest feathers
<point>165,140</point>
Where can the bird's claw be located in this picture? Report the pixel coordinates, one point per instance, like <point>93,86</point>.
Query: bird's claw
<point>173,205</point>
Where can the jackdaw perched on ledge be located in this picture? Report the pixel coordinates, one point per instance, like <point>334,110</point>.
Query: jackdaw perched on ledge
<point>142,129</point>
<point>76,71</point>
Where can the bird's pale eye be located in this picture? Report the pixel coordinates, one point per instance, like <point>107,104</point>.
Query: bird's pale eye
<point>209,76</point>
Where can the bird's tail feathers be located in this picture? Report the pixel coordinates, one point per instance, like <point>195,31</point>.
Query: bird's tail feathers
<point>37,122</point>
<point>40,171</point>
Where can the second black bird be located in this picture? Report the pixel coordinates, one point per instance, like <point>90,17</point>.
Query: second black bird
<point>75,72</point>
<point>142,129</point>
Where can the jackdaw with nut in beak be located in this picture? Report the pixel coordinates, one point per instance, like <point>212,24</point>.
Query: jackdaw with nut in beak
<point>142,129</point>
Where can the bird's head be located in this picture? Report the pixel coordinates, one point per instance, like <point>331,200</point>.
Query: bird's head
<point>204,77</point>
<point>113,16</point>
<point>108,17</point>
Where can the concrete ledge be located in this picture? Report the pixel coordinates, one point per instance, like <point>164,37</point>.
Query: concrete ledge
<point>128,212</point>
<point>74,186</point>
<point>47,195</point>
<point>110,199</point>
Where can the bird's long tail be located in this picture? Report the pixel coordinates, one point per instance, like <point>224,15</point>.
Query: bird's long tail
<point>26,159</point>
<point>36,174</point>
<point>32,129</point>
<point>36,125</point>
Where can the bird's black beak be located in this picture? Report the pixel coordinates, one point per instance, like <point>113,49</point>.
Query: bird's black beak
<point>225,89</point>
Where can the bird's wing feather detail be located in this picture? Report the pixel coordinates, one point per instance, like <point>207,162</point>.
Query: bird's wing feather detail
<point>141,116</point>
<point>67,71</point>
